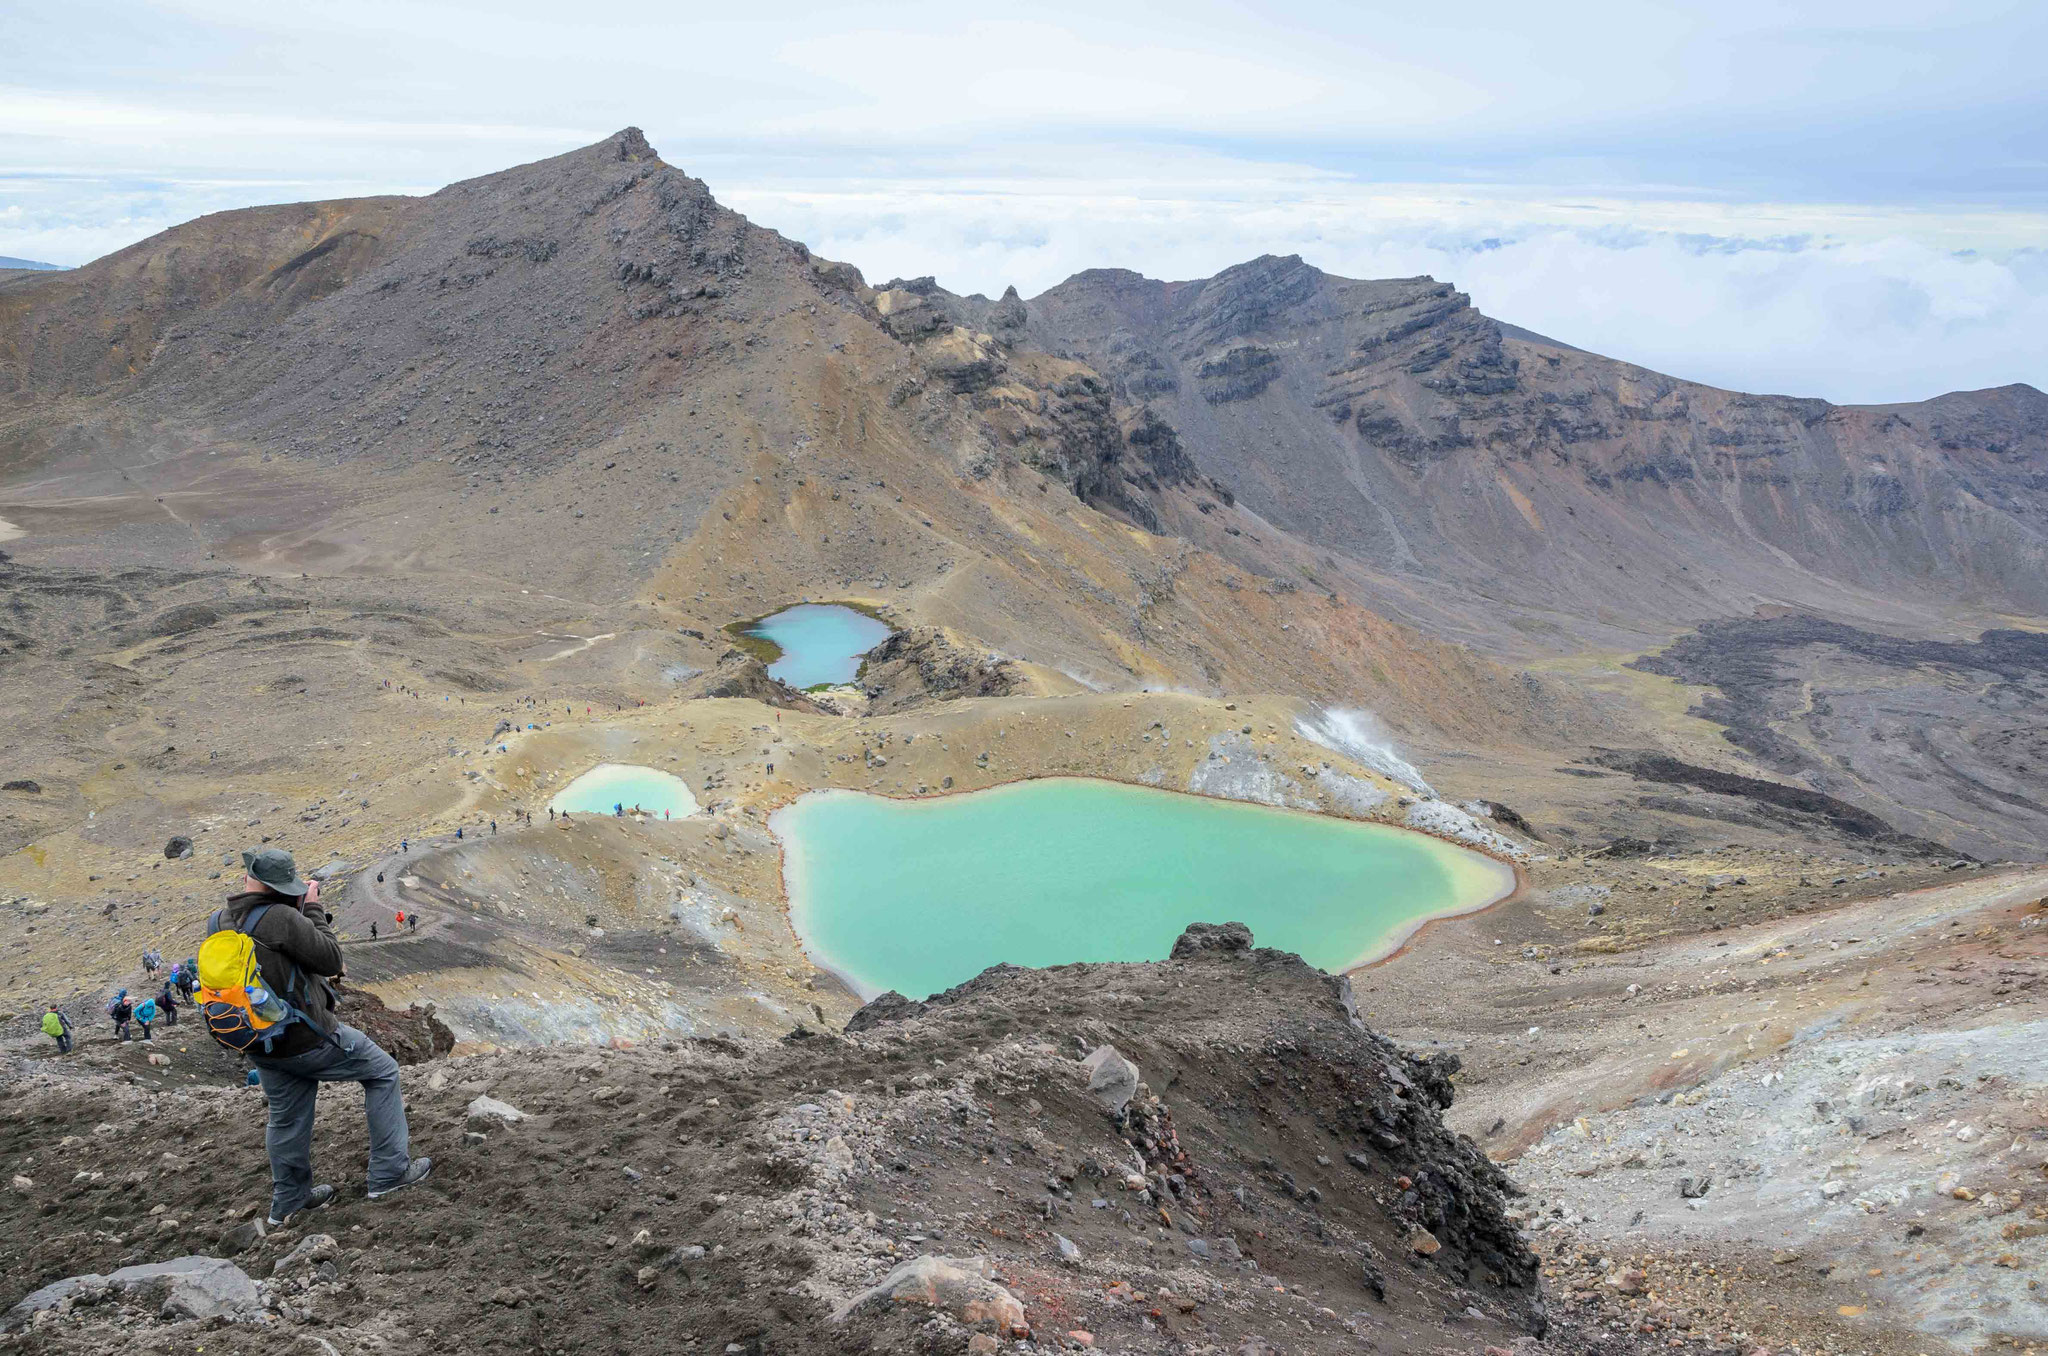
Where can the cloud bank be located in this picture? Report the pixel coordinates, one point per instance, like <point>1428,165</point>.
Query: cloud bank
<point>1862,307</point>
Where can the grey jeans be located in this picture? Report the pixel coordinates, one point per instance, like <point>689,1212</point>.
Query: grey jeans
<point>293,1083</point>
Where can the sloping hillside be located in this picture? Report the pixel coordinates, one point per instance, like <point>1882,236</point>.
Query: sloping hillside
<point>1267,1175</point>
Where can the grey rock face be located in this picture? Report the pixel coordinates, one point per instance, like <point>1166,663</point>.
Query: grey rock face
<point>184,1287</point>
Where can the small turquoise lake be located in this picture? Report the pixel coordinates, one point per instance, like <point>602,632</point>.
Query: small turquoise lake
<point>609,785</point>
<point>920,895</point>
<point>820,642</point>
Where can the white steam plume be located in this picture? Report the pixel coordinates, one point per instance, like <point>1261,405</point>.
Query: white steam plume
<point>1359,736</point>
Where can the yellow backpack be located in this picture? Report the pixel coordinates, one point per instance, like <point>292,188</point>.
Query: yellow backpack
<point>240,1010</point>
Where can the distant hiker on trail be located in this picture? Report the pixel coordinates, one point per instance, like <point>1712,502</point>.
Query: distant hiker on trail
<point>122,1009</point>
<point>458,833</point>
<point>168,1001</point>
<point>551,814</point>
<point>145,1013</point>
<point>267,989</point>
<point>380,878</point>
<point>373,929</point>
<point>404,845</point>
<point>412,922</point>
<point>58,1028</point>
<point>188,978</point>
<point>494,828</point>
<point>399,917</point>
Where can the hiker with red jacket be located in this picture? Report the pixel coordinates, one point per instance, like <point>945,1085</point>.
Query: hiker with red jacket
<point>299,957</point>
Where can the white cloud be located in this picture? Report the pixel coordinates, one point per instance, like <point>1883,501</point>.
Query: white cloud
<point>1853,305</point>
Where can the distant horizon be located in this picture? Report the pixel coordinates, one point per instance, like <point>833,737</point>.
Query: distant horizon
<point>1849,202</point>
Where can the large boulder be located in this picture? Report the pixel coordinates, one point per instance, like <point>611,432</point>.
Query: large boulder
<point>184,1287</point>
<point>961,1286</point>
<point>1203,938</point>
<point>1112,1079</point>
<point>178,848</point>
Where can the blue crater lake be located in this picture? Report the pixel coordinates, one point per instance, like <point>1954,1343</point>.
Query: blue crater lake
<point>607,785</point>
<point>820,642</point>
<point>920,895</point>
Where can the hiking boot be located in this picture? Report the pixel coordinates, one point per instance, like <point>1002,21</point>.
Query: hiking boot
<point>317,1197</point>
<point>415,1172</point>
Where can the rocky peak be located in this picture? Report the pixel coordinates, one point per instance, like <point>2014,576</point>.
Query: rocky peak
<point>1243,300</point>
<point>630,143</point>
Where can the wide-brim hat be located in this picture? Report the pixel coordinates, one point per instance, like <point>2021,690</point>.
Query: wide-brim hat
<point>276,870</point>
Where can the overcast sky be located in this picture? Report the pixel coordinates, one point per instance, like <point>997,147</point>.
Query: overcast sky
<point>1837,198</point>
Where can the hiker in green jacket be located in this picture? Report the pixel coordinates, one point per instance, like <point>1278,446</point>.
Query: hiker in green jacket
<point>58,1027</point>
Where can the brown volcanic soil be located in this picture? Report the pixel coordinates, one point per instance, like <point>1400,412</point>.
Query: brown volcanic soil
<point>803,1170</point>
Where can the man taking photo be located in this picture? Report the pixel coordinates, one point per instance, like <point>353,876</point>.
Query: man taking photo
<point>299,958</point>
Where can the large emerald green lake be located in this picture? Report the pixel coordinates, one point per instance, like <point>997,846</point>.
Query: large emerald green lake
<point>919,895</point>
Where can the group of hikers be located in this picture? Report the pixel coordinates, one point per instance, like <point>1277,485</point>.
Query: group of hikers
<point>128,1010</point>
<point>619,811</point>
<point>407,922</point>
<point>266,984</point>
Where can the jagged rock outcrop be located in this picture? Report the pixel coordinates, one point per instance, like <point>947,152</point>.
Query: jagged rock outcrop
<point>739,674</point>
<point>411,1035</point>
<point>921,664</point>
<point>1206,937</point>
